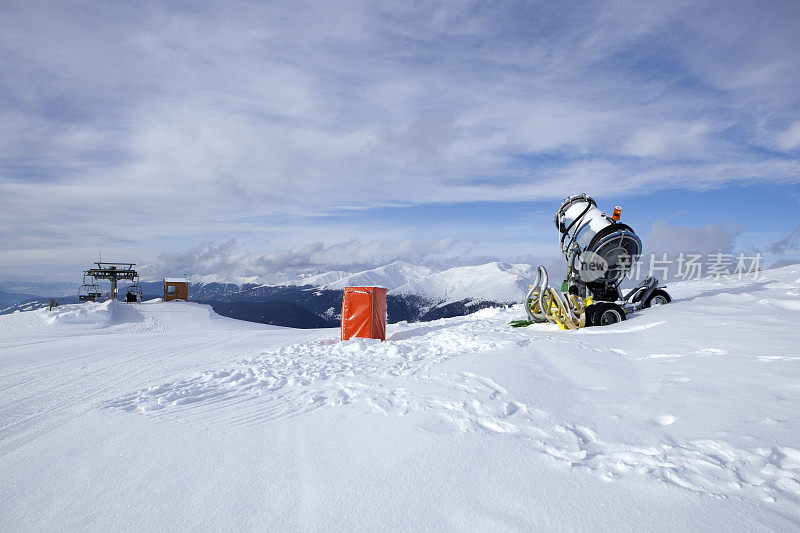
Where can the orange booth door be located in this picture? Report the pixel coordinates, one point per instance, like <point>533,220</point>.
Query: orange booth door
<point>364,313</point>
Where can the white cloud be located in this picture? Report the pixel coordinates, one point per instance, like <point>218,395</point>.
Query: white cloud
<point>664,237</point>
<point>229,260</point>
<point>787,245</point>
<point>674,139</point>
<point>789,139</point>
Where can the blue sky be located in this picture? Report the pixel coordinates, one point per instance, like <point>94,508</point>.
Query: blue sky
<point>243,138</point>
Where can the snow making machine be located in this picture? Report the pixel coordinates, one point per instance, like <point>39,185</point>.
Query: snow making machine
<point>600,251</point>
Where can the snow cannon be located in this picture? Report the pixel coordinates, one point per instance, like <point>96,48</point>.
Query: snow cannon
<point>600,250</point>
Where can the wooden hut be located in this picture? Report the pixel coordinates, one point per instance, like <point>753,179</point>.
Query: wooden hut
<point>176,289</point>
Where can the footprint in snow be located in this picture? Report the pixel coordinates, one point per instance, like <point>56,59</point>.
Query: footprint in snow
<point>714,351</point>
<point>664,356</point>
<point>677,380</point>
<point>664,420</point>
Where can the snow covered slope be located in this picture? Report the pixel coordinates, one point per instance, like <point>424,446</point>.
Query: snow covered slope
<point>322,279</point>
<point>390,276</point>
<point>682,417</point>
<point>494,282</point>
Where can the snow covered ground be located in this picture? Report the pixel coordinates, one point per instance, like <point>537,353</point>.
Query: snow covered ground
<point>163,415</point>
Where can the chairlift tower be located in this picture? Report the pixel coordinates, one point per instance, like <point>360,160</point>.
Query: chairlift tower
<point>113,272</point>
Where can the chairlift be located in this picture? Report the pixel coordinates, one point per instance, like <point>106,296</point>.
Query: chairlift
<point>90,291</point>
<point>134,292</point>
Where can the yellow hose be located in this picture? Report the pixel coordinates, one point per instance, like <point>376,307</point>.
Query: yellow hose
<point>569,312</point>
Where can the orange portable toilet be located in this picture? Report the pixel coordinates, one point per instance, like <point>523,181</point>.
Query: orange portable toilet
<point>364,313</point>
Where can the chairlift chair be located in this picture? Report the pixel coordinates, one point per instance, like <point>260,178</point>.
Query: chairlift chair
<point>90,291</point>
<point>135,292</point>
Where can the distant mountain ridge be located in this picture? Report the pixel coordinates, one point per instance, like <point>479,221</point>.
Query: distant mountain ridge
<point>390,276</point>
<point>492,282</point>
<point>416,293</point>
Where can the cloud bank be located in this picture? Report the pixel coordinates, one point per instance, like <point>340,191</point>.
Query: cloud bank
<point>229,261</point>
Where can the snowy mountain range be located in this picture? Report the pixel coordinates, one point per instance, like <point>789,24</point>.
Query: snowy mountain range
<point>495,282</point>
<point>391,276</point>
<point>416,293</point>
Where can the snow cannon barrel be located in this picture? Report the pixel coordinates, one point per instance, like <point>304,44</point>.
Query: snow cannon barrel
<point>588,234</point>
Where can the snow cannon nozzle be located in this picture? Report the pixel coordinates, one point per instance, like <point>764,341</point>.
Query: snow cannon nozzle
<point>590,237</point>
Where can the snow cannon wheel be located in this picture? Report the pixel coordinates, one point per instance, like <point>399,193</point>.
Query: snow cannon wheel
<point>658,297</point>
<point>605,314</point>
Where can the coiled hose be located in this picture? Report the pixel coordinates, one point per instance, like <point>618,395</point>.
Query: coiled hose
<point>546,304</point>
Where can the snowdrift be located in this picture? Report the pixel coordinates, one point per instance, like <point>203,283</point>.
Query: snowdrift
<point>119,317</point>
<point>102,314</point>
